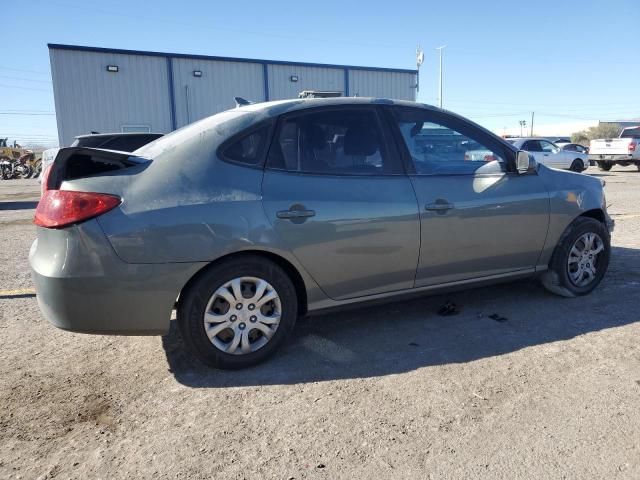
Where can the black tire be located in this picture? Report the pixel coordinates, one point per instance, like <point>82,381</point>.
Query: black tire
<point>557,279</point>
<point>604,166</point>
<point>577,166</point>
<point>193,302</point>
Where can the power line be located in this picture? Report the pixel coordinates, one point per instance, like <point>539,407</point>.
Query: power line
<point>27,113</point>
<point>24,79</point>
<point>25,88</point>
<point>24,70</point>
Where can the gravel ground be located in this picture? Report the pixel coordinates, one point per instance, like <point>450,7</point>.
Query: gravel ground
<point>392,391</point>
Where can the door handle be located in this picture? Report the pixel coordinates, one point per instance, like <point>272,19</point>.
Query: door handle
<point>296,212</point>
<point>439,207</point>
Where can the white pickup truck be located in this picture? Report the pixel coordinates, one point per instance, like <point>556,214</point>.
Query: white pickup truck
<point>624,150</point>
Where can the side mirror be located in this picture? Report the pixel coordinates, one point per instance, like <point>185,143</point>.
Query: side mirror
<point>524,161</point>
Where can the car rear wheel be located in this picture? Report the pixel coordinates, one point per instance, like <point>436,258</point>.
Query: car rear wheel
<point>577,166</point>
<point>604,166</point>
<point>238,313</point>
<point>580,259</point>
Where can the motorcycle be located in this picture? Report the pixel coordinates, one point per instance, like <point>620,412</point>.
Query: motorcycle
<point>14,169</point>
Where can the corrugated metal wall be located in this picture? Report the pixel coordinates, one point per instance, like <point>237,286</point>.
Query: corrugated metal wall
<point>199,97</point>
<point>88,98</point>
<point>159,91</point>
<point>371,83</point>
<point>309,78</point>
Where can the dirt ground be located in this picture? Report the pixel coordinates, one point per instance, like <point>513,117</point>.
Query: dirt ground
<point>391,391</point>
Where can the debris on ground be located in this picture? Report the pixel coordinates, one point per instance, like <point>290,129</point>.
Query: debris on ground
<point>448,309</point>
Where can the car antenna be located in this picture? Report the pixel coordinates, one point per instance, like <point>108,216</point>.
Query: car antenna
<point>241,101</point>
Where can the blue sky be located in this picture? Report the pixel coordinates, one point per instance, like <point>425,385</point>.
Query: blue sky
<point>572,62</point>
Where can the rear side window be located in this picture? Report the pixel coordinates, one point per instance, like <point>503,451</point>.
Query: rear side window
<point>333,142</point>
<point>249,148</point>
<point>631,133</point>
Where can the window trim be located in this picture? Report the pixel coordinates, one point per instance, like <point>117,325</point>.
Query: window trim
<point>492,141</point>
<point>389,154</point>
<point>269,124</point>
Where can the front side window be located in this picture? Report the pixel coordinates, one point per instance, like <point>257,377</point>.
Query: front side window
<point>335,142</point>
<point>532,146</point>
<point>441,146</point>
<point>548,147</point>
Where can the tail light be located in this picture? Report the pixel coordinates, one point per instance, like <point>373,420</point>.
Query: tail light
<point>59,208</point>
<point>632,147</point>
<point>490,158</point>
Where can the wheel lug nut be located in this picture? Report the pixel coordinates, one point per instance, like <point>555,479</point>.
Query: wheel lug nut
<point>233,318</point>
<point>242,326</point>
<point>239,306</point>
<point>252,306</point>
<point>253,318</point>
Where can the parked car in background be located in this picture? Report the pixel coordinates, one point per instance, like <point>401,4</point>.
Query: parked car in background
<point>624,150</point>
<point>124,142</point>
<point>573,147</point>
<point>558,140</point>
<point>285,208</point>
<point>549,154</point>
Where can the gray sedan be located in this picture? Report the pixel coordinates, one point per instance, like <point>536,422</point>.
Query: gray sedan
<point>252,217</point>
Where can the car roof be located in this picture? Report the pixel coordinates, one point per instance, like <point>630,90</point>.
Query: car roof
<point>117,134</point>
<point>278,107</point>
<point>522,139</point>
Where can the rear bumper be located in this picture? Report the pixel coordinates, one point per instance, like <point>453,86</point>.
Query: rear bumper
<point>82,286</point>
<point>611,158</point>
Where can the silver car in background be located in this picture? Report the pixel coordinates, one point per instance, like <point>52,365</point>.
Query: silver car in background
<point>257,215</point>
<point>552,155</point>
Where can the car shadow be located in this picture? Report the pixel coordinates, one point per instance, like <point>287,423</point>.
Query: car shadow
<point>403,336</point>
<point>18,205</point>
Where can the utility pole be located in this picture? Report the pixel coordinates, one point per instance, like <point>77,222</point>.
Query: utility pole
<point>532,114</point>
<point>440,89</point>
<point>419,61</point>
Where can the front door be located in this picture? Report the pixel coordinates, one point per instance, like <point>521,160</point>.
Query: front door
<point>478,218</point>
<point>339,201</point>
<point>535,148</point>
<point>555,157</point>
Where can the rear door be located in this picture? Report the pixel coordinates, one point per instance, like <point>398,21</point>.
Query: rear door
<point>479,217</point>
<point>337,197</point>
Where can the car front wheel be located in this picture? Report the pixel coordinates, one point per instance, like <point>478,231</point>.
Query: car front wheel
<point>580,259</point>
<point>577,166</point>
<point>238,313</point>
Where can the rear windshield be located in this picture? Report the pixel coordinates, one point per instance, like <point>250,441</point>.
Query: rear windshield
<point>630,133</point>
<point>197,131</point>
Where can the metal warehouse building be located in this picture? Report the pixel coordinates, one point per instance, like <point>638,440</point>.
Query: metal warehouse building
<point>107,90</point>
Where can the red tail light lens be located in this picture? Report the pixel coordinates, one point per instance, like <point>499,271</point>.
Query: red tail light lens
<point>490,158</point>
<point>59,208</point>
<point>632,147</point>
